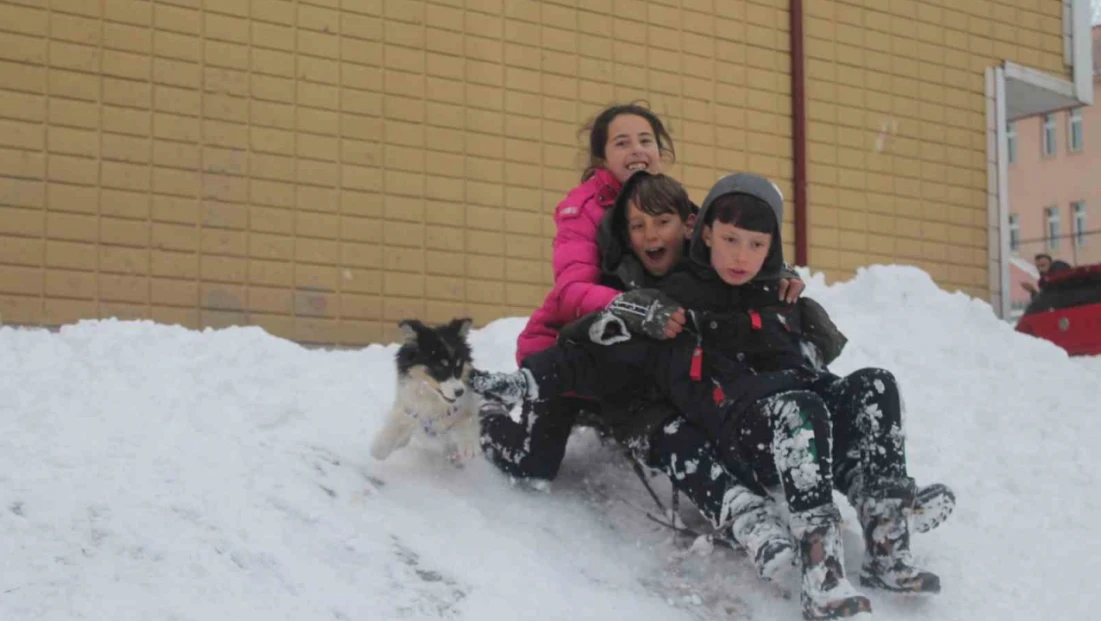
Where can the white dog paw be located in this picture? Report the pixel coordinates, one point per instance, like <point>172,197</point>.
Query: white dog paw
<point>380,451</point>
<point>462,453</point>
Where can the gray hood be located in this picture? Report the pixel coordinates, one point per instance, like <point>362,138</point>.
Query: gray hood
<point>758,187</point>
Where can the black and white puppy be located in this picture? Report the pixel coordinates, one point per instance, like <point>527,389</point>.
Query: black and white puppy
<point>433,399</point>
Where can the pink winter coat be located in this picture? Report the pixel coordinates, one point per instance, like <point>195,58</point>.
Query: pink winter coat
<point>576,264</point>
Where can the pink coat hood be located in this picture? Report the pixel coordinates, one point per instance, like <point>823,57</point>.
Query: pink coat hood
<point>576,264</point>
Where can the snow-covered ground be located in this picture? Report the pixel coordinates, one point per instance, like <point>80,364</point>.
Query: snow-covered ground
<point>150,472</point>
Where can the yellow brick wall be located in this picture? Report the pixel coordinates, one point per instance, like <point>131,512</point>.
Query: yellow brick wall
<point>897,139</point>
<point>323,168</point>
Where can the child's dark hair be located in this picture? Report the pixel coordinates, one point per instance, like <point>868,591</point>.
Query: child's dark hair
<point>657,195</point>
<point>597,129</point>
<point>743,211</point>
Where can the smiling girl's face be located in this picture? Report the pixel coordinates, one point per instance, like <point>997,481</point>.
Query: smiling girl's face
<point>631,147</point>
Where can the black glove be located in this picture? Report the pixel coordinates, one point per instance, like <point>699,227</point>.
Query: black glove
<point>820,330</point>
<point>645,311</point>
<point>602,328</point>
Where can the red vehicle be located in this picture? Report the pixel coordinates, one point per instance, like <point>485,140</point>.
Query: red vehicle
<point>1067,310</point>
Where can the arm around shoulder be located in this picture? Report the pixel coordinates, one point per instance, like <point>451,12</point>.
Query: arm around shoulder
<point>819,329</point>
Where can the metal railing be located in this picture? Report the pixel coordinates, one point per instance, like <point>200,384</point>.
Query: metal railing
<point>1081,248</point>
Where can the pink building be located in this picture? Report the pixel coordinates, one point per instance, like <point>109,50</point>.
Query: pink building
<point>1055,186</point>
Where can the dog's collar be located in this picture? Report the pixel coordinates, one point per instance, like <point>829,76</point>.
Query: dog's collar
<point>426,423</point>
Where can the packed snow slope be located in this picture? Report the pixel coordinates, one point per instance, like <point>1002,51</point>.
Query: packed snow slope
<point>150,472</point>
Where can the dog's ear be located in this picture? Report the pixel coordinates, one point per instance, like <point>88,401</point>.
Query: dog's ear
<point>410,328</point>
<point>461,325</point>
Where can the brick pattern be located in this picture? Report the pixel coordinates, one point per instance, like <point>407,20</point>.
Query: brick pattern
<point>897,128</point>
<point>323,169</point>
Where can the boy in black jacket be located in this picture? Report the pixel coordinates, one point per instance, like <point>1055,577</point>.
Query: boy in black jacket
<point>773,397</point>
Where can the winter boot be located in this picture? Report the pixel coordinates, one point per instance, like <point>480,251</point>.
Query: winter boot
<point>932,506</point>
<point>826,593</point>
<point>884,510</point>
<point>508,389</point>
<point>757,526</point>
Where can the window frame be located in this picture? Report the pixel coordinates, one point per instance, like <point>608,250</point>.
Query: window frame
<point>1074,118</point>
<point>1011,141</point>
<point>1052,225</point>
<point>1078,223</point>
<point>1049,144</point>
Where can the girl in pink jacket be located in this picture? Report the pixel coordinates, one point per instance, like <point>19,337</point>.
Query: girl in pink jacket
<point>623,139</point>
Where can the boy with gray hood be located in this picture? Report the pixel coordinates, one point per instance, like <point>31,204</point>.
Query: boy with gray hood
<point>788,411</point>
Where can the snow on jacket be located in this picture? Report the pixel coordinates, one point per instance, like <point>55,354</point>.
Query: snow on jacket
<point>577,272</point>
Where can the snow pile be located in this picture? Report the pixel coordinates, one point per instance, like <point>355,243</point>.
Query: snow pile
<point>150,472</point>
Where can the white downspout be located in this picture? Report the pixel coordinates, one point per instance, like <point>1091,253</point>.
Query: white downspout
<point>1002,146</point>
<point>1082,51</point>
<point>1068,33</point>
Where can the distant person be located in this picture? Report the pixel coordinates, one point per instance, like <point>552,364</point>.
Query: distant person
<point>1045,265</point>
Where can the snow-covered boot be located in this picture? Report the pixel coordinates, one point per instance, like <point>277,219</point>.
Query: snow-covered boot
<point>826,593</point>
<point>506,388</point>
<point>884,510</point>
<point>757,526</point>
<point>932,506</point>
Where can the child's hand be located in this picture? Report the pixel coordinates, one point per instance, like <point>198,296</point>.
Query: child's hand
<point>647,311</point>
<point>790,289</point>
<point>675,325</point>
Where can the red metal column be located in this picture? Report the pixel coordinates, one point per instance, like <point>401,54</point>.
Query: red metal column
<point>799,132</point>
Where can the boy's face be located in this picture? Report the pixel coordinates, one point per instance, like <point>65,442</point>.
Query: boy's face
<point>736,254</point>
<point>657,241</point>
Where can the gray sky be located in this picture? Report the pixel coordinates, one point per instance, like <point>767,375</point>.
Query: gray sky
<point>1096,12</point>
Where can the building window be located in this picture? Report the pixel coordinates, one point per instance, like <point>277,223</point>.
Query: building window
<point>1048,138</point>
<point>1014,233</point>
<point>1051,214</point>
<point>1079,211</point>
<point>1075,130</point>
<point>1011,141</point>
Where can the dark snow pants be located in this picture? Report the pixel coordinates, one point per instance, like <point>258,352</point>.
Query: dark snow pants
<point>636,367</point>
<point>533,449</point>
<point>843,431</point>
<point>698,469</point>
<point>835,433</point>
<point>573,379</point>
